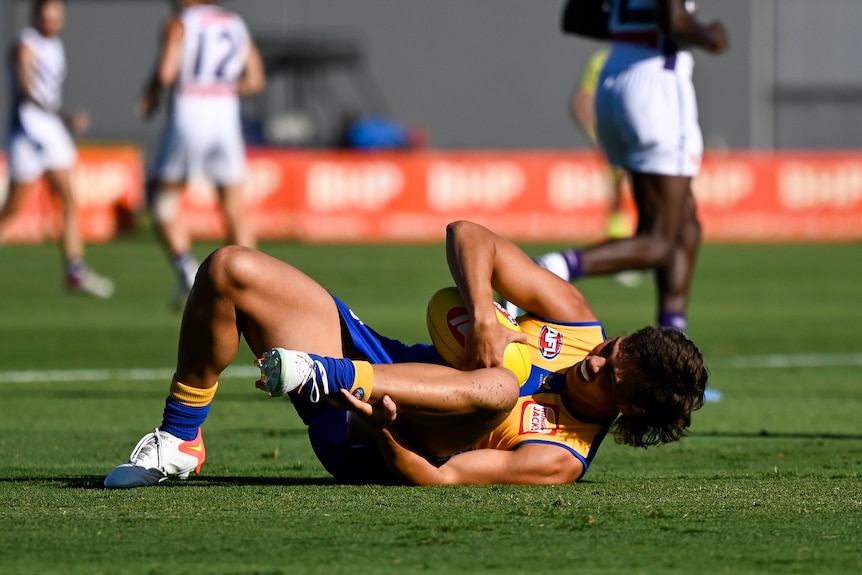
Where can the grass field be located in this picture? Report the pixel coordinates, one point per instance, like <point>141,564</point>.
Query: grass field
<point>770,480</point>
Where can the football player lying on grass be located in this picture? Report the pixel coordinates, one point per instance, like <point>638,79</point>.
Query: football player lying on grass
<point>425,422</point>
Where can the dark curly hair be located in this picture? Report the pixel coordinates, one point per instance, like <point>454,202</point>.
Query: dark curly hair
<point>671,380</point>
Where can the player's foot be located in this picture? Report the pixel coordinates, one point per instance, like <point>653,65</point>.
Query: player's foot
<point>284,370</point>
<point>180,295</point>
<point>187,271</point>
<point>88,282</point>
<point>157,456</point>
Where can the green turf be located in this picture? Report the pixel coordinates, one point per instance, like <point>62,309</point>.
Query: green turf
<point>770,480</point>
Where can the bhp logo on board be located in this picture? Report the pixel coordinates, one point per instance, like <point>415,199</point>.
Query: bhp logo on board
<point>344,186</point>
<point>806,186</point>
<point>573,186</point>
<point>485,185</point>
<point>102,183</point>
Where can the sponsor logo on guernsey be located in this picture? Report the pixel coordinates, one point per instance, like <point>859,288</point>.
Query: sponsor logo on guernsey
<point>550,342</point>
<point>539,418</point>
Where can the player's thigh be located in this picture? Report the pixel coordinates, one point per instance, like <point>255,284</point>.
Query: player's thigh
<point>172,157</point>
<point>224,161</point>
<point>26,163</point>
<point>277,305</point>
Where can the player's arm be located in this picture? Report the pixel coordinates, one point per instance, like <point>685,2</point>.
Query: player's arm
<point>584,111</point>
<point>530,464</point>
<point>682,25</point>
<point>25,63</point>
<point>482,261</point>
<point>253,79</point>
<point>166,70</point>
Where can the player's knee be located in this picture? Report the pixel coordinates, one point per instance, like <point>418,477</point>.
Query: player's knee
<point>164,204</point>
<point>229,268</point>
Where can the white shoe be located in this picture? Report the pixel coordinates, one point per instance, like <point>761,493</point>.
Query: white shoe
<point>90,283</point>
<point>157,456</point>
<point>285,370</point>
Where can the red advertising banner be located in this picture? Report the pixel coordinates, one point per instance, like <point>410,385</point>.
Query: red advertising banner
<point>108,187</point>
<point>530,196</point>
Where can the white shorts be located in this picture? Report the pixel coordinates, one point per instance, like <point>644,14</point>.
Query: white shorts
<point>202,139</point>
<point>38,142</point>
<point>646,112</point>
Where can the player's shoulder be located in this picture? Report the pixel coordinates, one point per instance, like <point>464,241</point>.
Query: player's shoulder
<point>29,35</point>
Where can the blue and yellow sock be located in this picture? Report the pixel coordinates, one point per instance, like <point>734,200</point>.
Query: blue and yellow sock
<point>186,409</point>
<point>355,376</point>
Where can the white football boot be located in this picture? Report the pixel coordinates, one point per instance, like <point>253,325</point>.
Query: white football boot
<point>89,282</point>
<point>157,456</point>
<point>284,370</point>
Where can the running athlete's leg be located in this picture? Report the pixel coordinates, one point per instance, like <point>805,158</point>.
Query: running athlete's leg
<point>238,228</point>
<point>14,200</point>
<point>60,183</point>
<point>164,206</point>
<point>661,202</point>
<point>674,279</point>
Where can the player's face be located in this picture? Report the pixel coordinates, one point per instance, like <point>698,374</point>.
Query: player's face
<point>602,368</point>
<point>52,18</point>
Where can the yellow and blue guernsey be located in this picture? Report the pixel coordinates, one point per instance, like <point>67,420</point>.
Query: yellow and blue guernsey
<point>542,414</point>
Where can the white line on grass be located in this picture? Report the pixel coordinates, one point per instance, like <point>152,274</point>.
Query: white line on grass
<point>135,374</point>
<point>158,374</point>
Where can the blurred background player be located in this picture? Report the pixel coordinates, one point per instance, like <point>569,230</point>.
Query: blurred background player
<point>646,119</point>
<point>208,58</point>
<point>39,143</point>
<point>584,112</point>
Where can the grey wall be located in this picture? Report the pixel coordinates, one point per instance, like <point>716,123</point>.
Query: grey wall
<point>497,73</point>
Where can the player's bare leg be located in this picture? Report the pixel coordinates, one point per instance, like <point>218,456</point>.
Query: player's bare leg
<point>239,231</point>
<point>175,239</point>
<point>14,199</point>
<point>674,279</point>
<point>240,291</point>
<point>79,277</point>
<point>237,291</point>
<point>243,291</point>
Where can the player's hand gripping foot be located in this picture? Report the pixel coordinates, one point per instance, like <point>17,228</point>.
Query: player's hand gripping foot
<point>285,370</point>
<point>157,456</point>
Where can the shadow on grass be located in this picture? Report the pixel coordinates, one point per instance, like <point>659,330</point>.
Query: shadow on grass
<point>96,481</point>
<point>763,433</point>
